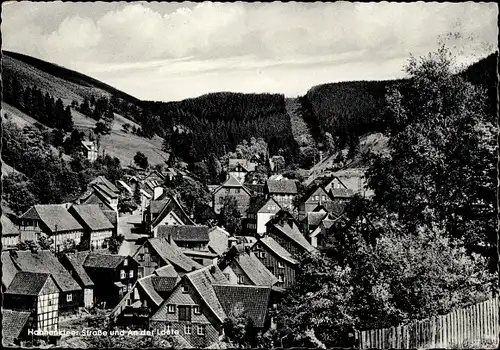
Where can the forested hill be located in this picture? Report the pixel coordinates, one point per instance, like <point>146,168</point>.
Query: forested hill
<point>220,121</point>
<point>351,109</point>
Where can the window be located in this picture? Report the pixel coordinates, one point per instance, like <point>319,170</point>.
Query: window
<point>129,302</point>
<point>226,275</point>
<point>196,310</point>
<point>316,198</point>
<point>237,190</point>
<point>125,262</point>
<point>323,198</point>
<point>153,258</point>
<point>184,313</point>
<point>185,289</point>
<point>262,254</point>
<point>141,257</point>
<point>241,279</point>
<point>171,309</point>
<point>281,278</point>
<point>146,250</point>
<point>69,297</point>
<point>201,330</point>
<point>280,265</point>
<point>131,274</point>
<point>187,329</point>
<point>129,287</point>
<point>122,274</point>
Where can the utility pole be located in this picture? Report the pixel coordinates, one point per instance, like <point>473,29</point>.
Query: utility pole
<point>55,240</point>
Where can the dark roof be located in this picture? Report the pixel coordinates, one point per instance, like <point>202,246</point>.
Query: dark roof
<point>76,261</point>
<point>254,299</point>
<point>102,260</point>
<point>254,269</point>
<point>184,233</point>
<point>168,204</point>
<point>92,216</point>
<point>171,253</point>
<point>53,215</point>
<point>112,216</point>
<point>105,190</point>
<point>293,233</point>
<point>164,284</point>
<point>9,269</point>
<point>256,203</point>
<point>277,249</point>
<point>45,262</point>
<point>156,206</point>
<point>13,323</point>
<point>8,227</point>
<point>28,283</point>
<point>108,184</point>
<point>310,191</point>
<point>282,186</point>
<point>202,281</point>
<point>315,218</point>
<point>147,285</point>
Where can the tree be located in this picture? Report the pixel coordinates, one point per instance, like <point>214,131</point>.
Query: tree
<point>85,107</point>
<point>239,328</point>
<point>137,194</point>
<point>45,243</point>
<point>17,193</point>
<point>102,128</point>
<point>441,169</point>
<point>141,160</point>
<point>230,215</point>
<point>115,243</point>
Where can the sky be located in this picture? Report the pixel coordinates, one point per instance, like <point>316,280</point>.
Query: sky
<point>171,51</point>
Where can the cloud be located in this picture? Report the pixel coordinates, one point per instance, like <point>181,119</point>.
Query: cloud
<point>144,39</point>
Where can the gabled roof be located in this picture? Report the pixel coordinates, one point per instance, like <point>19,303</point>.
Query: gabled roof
<point>93,196</point>
<point>129,248</point>
<point>104,190</point>
<point>92,216</point>
<point>147,285</point>
<point>254,299</point>
<point>293,233</point>
<point>169,204</point>
<point>8,227</point>
<point>312,191</point>
<point>202,281</point>
<point>164,284</point>
<point>232,182</point>
<point>254,269</point>
<point>277,249</point>
<point>245,164</point>
<point>185,233</point>
<point>257,203</point>
<point>315,218</point>
<point>9,269</point>
<point>218,240</point>
<point>13,323</point>
<point>282,186</point>
<point>112,216</point>
<point>166,271</point>
<point>53,215</point>
<point>29,283</point>
<point>76,261</point>
<point>45,262</point>
<point>342,192</point>
<point>102,180</point>
<point>103,261</point>
<point>171,253</point>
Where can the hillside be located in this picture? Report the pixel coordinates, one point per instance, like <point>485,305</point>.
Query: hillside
<point>72,86</point>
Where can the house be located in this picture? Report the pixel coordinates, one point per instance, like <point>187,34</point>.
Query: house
<point>351,180</point>
<point>159,252</point>
<point>283,191</point>
<point>101,191</point>
<point>167,211</point>
<point>73,262</point>
<point>260,211</point>
<point>140,303</point>
<point>113,275</point>
<point>38,294</point>
<point>276,163</point>
<point>317,196</point>
<point>314,219</point>
<point>232,187</point>
<point>318,237</point>
<point>10,233</point>
<point>194,237</point>
<point>193,309</point>
<point>241,266</point>
<point>51,220</point>
<point>239,168</point>
<point>277,260</point>
<point>218,240</point>
<point>284,229</point>
<point>89,150</point>
<point>97,229</point>
<point>15,327</point>
<point>43,261</point>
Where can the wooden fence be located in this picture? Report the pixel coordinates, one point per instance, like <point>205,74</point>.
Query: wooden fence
<point>473,326</point>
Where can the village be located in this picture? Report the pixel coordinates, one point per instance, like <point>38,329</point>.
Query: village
<point>162,268</point>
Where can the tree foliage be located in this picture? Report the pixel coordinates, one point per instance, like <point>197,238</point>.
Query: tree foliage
<point>141,160</point>
<point>230,215</point>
